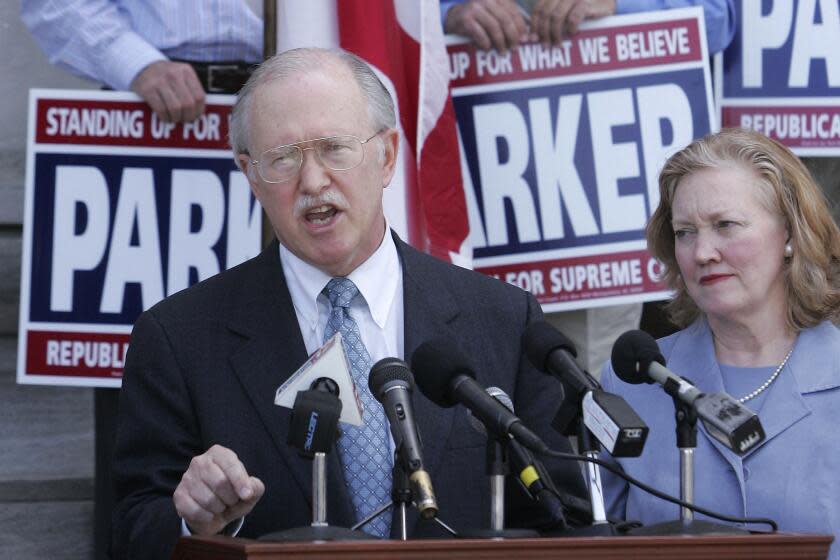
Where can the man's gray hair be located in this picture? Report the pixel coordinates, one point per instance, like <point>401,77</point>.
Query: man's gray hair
<point>298,61</point>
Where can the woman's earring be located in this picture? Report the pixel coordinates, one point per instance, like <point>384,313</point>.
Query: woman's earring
<point>788,250</point>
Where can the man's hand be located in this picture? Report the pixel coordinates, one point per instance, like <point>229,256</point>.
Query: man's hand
<point>494,24</point>
<point>171,89</point>
<point>553,20</point>
<point>216,490</point>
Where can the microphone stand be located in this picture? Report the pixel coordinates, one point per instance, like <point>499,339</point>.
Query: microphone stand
<point>497,469</point>
<point>600,526</point>
<point>319,490</point>
<point>588,446</point>
<point>686,417</point>
<point>400,499</point>
<point>319,530</point>
<point>569,421</point>
<point>327,407</point>
<point>401,496</point>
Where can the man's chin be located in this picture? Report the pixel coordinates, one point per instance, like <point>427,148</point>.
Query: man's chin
<point>335,261</point>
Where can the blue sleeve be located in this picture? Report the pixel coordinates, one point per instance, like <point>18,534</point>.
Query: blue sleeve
<point>91,38</point>
<point>719,15</point>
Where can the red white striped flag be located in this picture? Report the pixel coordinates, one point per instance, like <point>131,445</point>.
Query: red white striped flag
<point>403,40</point>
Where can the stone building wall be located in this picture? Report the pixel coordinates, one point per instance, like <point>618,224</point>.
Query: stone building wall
<point>46,433</point>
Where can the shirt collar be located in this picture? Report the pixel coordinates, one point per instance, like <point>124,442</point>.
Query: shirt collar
<point>377,279</point>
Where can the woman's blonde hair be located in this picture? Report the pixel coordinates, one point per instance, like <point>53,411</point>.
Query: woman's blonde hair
<point>811,273</point>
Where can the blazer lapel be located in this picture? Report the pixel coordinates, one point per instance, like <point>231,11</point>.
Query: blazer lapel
<point>784,405</point>
<point>265,315</point>
<point>809,369</point>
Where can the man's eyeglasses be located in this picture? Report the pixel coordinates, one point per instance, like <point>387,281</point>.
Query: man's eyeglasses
<point>338,153</point>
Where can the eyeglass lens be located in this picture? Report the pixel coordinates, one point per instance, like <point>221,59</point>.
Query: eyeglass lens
<point>337,153</point>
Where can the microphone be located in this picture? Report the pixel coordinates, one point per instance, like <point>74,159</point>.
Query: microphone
<point>500,396</point>
<point>550,350</point>
<point>530,473</point>
<point>392,383</point>
<point>607,416</point>
<point>446,378</point>
<point>636,359</point>
<point>314,421</point>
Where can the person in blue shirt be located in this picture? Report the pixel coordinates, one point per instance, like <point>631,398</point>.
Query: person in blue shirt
<point>503,24</point>
<point>167,52</point>
<point>752,255</point>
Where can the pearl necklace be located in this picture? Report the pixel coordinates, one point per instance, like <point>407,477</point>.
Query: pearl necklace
<point>769,381</point>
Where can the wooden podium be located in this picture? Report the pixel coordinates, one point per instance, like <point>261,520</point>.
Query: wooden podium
<point>764,546</point>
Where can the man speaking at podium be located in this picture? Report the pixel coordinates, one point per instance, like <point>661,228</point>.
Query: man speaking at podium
<point>200,447</point>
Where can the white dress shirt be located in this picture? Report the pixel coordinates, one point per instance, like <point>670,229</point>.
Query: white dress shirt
<point>378,313</point>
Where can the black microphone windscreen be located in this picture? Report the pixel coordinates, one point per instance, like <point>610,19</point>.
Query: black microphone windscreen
<point>327,385</point>
<point>541,339</point>
<point>632,355</point>
<point>386,370</point>
<point>436,363</point>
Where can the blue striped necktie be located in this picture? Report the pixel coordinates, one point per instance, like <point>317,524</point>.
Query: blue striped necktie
<point>364,450</point>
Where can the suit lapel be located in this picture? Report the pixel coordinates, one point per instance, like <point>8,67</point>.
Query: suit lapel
<point>783,406</point>
<point>809,369</point>
<point>427,315</point>
<point>263,313</point>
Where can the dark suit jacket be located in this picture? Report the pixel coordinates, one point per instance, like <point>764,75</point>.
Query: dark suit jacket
<point>204,364</point>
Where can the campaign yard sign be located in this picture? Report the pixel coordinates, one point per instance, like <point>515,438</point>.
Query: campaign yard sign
<point>121,210</point>
<point>781,74</point>
<point>562,146</point>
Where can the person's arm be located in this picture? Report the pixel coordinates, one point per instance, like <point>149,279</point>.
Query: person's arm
<point>554,20</point>
<point>171,89</point>
<point>91,38</point>
<point>497,24</point>
<point>719,16</point>
<point>231,530</point>
<point>161,472</point>
<point>216,492</point>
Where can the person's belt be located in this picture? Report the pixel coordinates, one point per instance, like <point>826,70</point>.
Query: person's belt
<point>222,77</point>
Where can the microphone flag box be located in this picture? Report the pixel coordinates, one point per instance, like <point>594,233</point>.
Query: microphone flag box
<point>330,360</point>
<point>730,422</point>
<point>314,423</point>
<point>614,423</point>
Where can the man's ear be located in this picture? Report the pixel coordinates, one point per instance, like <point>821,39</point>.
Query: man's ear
<point>243,161</point>
<point>391,144</point>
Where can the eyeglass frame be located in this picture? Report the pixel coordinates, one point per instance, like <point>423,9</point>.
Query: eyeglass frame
<point>256,162</point>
